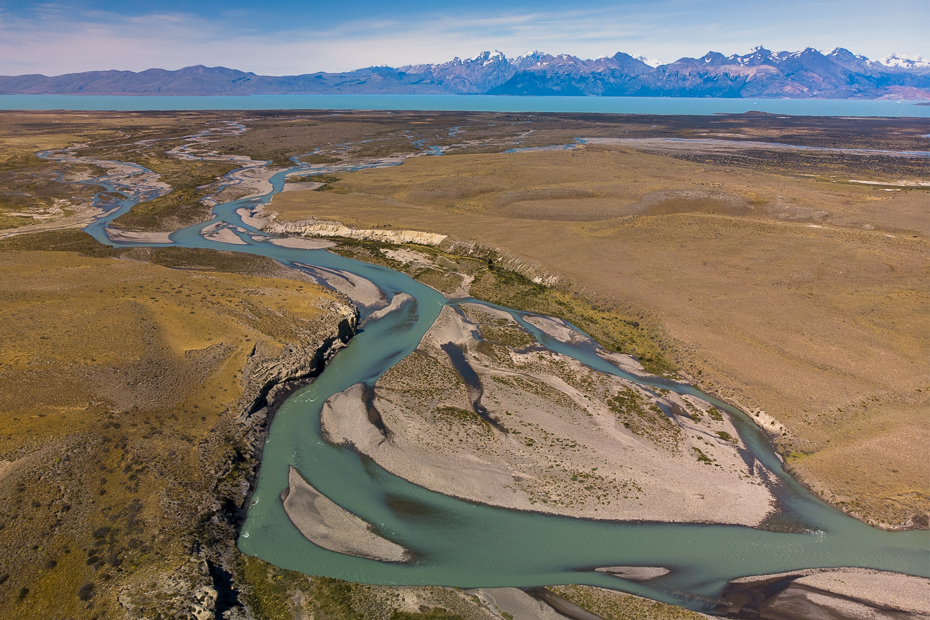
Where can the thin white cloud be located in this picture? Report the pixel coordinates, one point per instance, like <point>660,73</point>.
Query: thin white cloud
<point>55,41</point>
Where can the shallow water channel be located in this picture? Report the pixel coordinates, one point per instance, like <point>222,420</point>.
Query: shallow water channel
<point>459,543</point>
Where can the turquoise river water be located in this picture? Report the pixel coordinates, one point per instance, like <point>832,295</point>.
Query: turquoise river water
<point>459,543</point>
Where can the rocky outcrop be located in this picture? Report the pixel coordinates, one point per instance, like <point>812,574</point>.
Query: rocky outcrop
<point>315,228</point>
<point>188,592</point>
<point>266,375</point>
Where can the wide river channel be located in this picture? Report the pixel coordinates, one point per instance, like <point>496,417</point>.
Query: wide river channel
<point>459,543</point>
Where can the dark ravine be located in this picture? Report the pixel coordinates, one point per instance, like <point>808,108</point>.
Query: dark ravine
<point>273,376</point>
<point>227,596</point>
<point>374,416</point>
<point>471,379</point>
<point>220,527</point>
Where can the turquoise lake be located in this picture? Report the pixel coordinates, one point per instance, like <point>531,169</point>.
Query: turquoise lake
<point>474,103</point>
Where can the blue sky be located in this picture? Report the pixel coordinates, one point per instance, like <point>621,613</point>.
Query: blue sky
<point>283,37</point>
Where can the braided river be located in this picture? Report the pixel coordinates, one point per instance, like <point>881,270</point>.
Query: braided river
<point>460,543</point>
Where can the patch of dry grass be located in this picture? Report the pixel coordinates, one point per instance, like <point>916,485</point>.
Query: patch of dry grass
<point>120,384</point>
<point>612,605</point>
<point>191,181</point>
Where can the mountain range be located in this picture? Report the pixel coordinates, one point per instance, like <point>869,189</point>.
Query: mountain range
<point>838,74</point>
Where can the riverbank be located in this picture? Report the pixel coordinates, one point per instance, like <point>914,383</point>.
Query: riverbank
<point>840,593</point>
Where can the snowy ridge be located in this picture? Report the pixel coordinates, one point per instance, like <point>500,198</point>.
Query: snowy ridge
<point>905,61</point>
<point>652,62</point>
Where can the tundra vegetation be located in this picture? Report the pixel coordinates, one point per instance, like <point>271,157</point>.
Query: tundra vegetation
<point>791,283</point>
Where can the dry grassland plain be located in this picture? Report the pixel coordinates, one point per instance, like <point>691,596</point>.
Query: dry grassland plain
<point>798,297</point>
<point>121,449</point>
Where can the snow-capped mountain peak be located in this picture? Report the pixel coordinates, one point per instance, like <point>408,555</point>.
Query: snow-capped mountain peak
<point>843,52</point>
<point>530,55</point>
<point>652,62</point>
<point>489,58</point>
<point>905,61</point>
<point>760,73</point>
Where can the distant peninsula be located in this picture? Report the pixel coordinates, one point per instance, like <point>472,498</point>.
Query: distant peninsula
<point>808,74</point>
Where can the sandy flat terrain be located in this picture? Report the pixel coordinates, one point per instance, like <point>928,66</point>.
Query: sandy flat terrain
<point>138,237</point>
<point>557,437</point>
<point>303,244</point>
<point>635,573</point>
<point>326,524</point>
